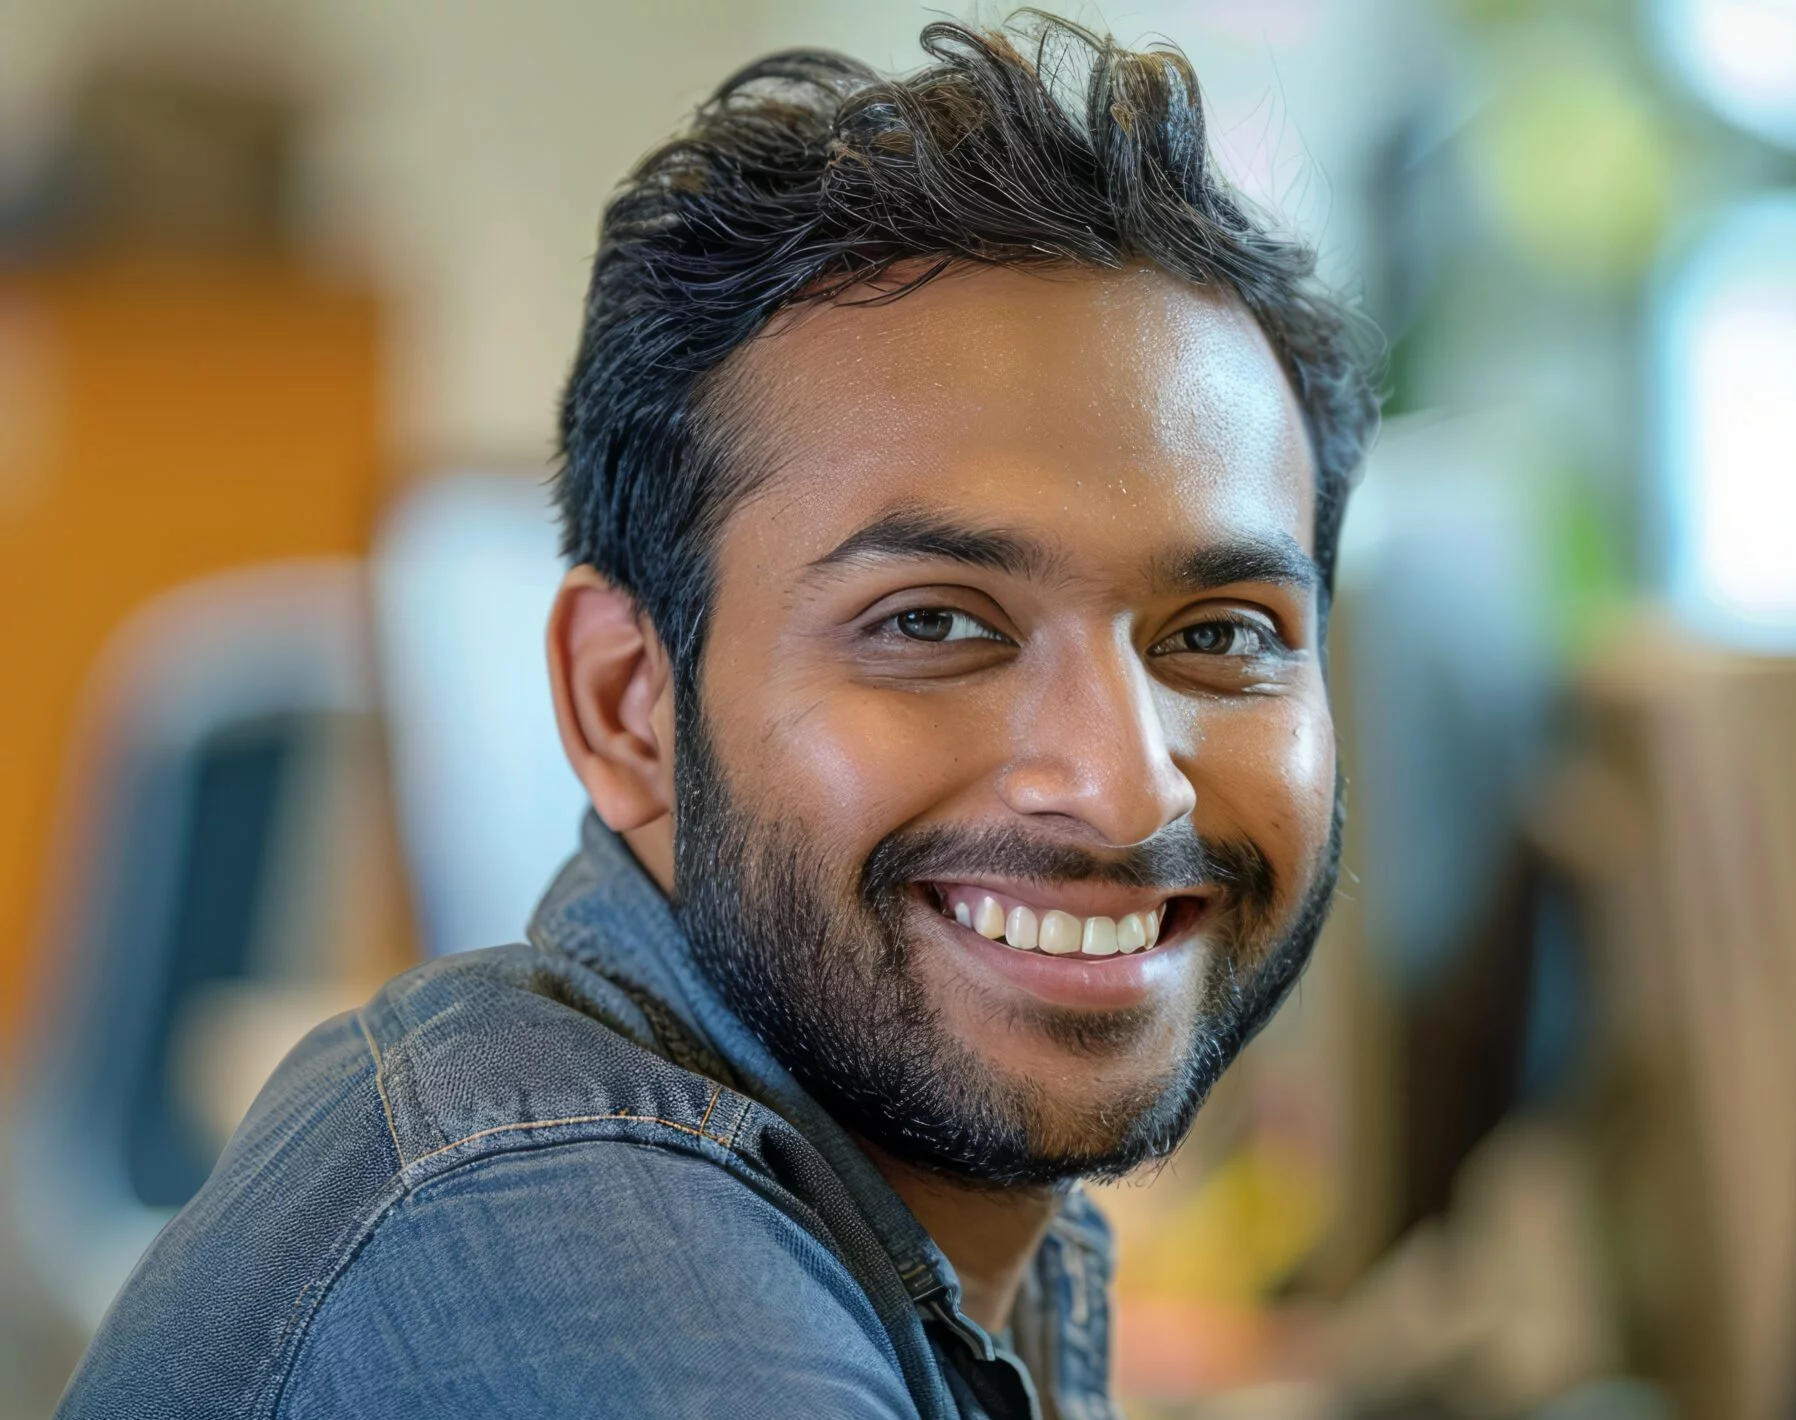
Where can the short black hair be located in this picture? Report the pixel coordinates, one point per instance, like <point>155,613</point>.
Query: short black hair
<point>808,175</point>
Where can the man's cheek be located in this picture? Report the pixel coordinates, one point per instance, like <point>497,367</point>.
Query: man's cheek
<point>1309,772</point>
<point>858,757</point>
<point>1272,782</point>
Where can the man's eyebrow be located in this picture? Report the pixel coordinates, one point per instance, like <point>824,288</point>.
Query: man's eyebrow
<point>1276,559</point>
<point>915,533</point>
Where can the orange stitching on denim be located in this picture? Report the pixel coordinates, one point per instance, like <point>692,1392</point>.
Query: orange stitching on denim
<point>556,1123</point>
<point>715,1092</point>
<point>380,1087</point>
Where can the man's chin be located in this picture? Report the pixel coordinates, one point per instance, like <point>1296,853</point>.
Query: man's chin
<point>1049,1095</point>
<point>1053,1140</point>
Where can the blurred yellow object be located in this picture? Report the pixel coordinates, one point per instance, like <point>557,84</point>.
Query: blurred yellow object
<point>166,420</point>
<point>1577,165</point>
<point>1236,1236</point>
<point>1243,1230</point>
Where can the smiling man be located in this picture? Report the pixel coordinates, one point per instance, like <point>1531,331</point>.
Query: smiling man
<point>953,471</point>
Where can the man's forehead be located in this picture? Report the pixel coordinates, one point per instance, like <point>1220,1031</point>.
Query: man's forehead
<point>1090,391</point>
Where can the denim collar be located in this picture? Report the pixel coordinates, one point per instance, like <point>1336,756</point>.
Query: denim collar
<point>604,910</point>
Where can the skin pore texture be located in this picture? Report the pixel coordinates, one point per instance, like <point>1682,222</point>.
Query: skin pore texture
<point>1023,610</point>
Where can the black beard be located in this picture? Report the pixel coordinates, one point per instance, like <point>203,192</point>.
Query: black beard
<point>828,984</point>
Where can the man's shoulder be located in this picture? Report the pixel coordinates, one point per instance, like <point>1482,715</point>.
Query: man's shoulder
<point>601,1217</point>
<point>502,1054</point>
<point>473,1050</point>
<point>602,1275</point>
<point>467,1055</point>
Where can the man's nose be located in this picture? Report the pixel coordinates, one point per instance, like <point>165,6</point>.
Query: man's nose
<point>1090,746</point>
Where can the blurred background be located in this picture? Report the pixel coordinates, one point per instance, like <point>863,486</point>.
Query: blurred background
<point>286,296</point>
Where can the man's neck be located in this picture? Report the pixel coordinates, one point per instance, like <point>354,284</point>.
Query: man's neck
<point>989,1234</point>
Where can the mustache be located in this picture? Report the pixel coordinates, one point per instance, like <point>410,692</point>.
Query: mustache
<point>1177,859</point>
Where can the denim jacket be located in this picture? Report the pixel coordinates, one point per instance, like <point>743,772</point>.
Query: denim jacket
<point>562,1178</point>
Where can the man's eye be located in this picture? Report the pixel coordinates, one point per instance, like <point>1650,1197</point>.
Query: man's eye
<point>941,624</point>
<point>1218,638</point>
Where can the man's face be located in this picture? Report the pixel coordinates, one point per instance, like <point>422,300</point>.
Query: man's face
<point>1007,796</point>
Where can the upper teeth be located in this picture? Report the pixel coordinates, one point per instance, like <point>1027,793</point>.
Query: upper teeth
<point>1059,933</point>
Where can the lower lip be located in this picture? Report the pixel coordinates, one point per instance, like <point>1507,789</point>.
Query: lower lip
<point>1112,983</point>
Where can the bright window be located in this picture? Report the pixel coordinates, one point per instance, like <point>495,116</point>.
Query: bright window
<point>1739,56</point>
<point>1727,405</point>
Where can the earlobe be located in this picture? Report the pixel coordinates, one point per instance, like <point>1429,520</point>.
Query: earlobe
<point>613,700</point>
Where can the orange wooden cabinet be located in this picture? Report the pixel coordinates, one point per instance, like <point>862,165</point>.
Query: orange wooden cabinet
<point>158,421</point>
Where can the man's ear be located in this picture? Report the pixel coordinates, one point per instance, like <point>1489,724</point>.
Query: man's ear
<point>613,690</point>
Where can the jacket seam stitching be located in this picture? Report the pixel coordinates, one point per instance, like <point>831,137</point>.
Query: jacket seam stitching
<point>711,1104</point>
<point>736,1128</point>
<point>297,1328</point>
<point>525,1126</point>
<point>380,1087</point>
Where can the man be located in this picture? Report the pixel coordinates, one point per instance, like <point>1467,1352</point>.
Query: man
<point>953,470</point>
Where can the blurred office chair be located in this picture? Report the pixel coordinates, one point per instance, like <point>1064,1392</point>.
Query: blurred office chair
<point>465,569</point>
<point>202,908</point>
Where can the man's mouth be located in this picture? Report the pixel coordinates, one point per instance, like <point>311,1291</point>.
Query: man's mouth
<point>1043,927</point>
